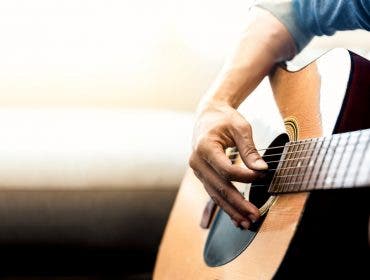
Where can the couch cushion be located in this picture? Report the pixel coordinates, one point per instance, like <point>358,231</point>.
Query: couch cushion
<point>93,149</point>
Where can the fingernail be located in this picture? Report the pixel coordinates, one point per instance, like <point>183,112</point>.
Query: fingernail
<point>245,224</point>
<point>260,164</point>
<point>235,223</point>
<point>252,218</point>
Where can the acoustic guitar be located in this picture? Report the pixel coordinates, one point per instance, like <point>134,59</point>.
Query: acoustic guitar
<point>314,202</point>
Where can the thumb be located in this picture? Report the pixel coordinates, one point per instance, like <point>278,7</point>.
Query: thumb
<point>247,150</point>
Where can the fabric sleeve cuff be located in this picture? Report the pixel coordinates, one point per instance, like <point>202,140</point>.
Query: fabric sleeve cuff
<point>283,10</point>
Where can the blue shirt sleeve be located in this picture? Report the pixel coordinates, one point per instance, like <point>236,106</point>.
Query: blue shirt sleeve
<point>322,17</point>
<point>305,19</point>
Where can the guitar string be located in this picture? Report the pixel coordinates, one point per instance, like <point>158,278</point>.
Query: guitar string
<point>233,160</point>
<point>317,186</point>
<point>282,168</point>
<point>300,183</point>
<point>362,159</point>
<point>339,148</point>
<point>320,139</point>
<point>350,160</point>
<point>288,146</point>
<point>357,145</point>
<point>293,152</point>
<point>303,174</point>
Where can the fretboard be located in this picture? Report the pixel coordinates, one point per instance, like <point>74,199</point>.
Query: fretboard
<point>338,161</point>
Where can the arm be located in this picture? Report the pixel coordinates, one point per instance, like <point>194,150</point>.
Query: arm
<point>273,34</point>
<point>219,125</point>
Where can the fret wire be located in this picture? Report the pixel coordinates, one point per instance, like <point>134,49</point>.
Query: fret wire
<point>299,162</point>
<point>287,156</point>
<point>289,171</point>
<point>329,161</point>
<point>368,174</point>
<point>278,181</point>
<point>274,180</point>
<point>321,159</point>
<point>308,161</point>
<point>351,157</point>
<point>340,157</point>
<point>362,159</point>
<point>283,168</point>
<point>288,179</point>
<point>314,162</point>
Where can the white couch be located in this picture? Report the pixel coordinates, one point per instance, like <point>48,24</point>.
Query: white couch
<point>78,181</point>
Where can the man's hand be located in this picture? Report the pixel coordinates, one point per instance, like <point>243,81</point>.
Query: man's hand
<point>218,127</point>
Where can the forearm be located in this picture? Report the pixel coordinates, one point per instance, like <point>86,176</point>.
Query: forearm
<point>264,43</point>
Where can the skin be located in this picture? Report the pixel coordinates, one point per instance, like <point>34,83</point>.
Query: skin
<point>218,125</point>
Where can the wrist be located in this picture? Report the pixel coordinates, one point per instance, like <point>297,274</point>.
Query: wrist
<point>212,105</point>
<point>264,43</point>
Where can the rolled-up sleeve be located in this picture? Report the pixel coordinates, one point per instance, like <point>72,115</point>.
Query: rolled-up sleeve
<point>305,19</point>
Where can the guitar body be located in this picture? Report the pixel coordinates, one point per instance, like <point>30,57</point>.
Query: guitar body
<point>285,246</point>
<point>333,237</point>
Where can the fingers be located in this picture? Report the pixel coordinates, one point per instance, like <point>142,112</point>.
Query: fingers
<point>218,128</point>
<point>242,134</point>
<point>241,211</point>
<point>213,153</point>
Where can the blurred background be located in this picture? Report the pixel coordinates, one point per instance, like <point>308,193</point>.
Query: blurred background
<point>79,53</point>
<point>96,109</point>
<point>96,53</point>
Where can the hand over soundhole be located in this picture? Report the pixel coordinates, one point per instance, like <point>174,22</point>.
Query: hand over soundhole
<point>258,191</point>
<point>226,241</point>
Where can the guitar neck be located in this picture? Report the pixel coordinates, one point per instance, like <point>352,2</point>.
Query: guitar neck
<point>338,161</point>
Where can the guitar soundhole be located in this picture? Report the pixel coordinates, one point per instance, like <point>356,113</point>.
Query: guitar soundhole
<point>258,192</point>
<point>225,242</point>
